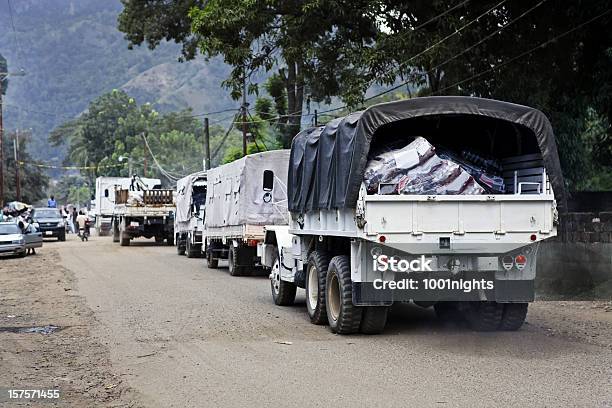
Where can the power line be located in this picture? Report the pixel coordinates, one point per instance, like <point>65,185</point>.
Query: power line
<point>223,139</point>
<point>436,44</point>
<point>488,37</point>
<point>18,49</point>
<point>542,45</point>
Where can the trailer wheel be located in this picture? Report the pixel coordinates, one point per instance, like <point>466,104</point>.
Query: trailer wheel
<point>316,275</point>
<point>283,292</point>
<point>342,315</point>
<point>513,316</point>
<point>484,316</point>
<point>374,319</point>
<point>211,261</point>
<point>234,269</point>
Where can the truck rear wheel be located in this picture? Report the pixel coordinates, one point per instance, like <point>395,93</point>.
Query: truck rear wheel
<point>115,228</point>
<point>316,275</point>
<point>192,251</point>
<point>233,258</point>
<point>513,316</point>
<point>484,316</point>
<point>342,315</point>
<point>180,245</point>
<point>283,292</point>
<point>374,319</point>
<point>211,261</point>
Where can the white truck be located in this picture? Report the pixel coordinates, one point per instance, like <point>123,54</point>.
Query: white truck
<point>242,197</point>
<point>104,200</point>
<point>480,249</point>
<point>143,212</point>
<point>190,213</point>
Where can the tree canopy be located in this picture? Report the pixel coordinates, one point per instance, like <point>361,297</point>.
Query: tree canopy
<point>548,54</point>
<point>116,127</point>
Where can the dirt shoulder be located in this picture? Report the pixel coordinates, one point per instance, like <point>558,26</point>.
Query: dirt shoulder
<point>37,291</point>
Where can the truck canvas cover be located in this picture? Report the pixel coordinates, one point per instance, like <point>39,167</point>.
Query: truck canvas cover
<point>328,162</point>
<point>236,194</point>
<point>184,188</point>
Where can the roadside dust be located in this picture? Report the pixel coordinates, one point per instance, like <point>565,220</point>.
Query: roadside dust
<point>37,300</point>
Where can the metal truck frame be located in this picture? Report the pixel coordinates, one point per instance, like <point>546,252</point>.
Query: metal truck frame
<point>329,251</point>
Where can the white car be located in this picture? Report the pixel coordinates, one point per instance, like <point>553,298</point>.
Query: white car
<point>15,241</point>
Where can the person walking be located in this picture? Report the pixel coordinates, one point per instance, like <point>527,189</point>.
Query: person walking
<point>74,220</point>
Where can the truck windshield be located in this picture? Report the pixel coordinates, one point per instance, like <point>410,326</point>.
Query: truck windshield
<point>6,229</point>
<point>47,214</point>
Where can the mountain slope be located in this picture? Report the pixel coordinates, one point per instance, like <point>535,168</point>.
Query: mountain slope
<point>72,52</point>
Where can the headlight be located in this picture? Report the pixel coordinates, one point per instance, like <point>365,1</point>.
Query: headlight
<point>19,241</point>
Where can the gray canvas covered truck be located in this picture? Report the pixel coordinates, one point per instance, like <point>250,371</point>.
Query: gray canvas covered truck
<point>347,220</point>
<point>242,197</point>
<point>190,213</point>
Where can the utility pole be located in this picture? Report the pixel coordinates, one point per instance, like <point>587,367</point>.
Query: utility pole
<point>316,118</point>
<point>144,151</point>
<point>206,145</point>
<point>244,114</point>
<point>17,165</point>
<point>2,76</point>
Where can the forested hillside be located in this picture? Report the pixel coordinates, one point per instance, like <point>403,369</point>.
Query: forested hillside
<point>72,53</point>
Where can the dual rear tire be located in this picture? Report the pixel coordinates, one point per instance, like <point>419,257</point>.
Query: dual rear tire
<point>329,297</point>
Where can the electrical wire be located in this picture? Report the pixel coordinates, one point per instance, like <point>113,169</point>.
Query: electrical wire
<point>436,44</point>
<point>541,45</point>
<point>486,38</point>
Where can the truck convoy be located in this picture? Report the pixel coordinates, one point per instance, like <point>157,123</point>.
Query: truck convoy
<point>462,189</point>
<point>242,197</point>
<point>190,213</point>
<point>140,211</point>
<point>104,204</point>
<point>440,201</point>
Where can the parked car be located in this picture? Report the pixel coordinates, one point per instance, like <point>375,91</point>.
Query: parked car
<point>12,239</point>
<point>50,222</point>
<point>33,237</point>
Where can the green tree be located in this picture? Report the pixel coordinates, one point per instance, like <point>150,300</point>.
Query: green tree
<point>311,46</point>
<point>33,179</point>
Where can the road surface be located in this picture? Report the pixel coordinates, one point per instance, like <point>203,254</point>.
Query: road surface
<point>181,335</point>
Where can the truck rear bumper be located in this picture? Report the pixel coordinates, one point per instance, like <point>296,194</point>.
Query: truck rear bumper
<point>504,291</point>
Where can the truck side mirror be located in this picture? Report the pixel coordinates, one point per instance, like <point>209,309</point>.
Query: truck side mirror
<point>268,180</point>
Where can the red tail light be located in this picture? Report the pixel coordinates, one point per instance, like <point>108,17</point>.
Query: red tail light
<point>520,262</point>
<point>252,242</point>
<point>382,238</point>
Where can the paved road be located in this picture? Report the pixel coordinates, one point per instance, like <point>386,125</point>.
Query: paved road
<point>186,336</point>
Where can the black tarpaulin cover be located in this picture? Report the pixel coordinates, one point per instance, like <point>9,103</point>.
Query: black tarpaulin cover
<point>327,162</point>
